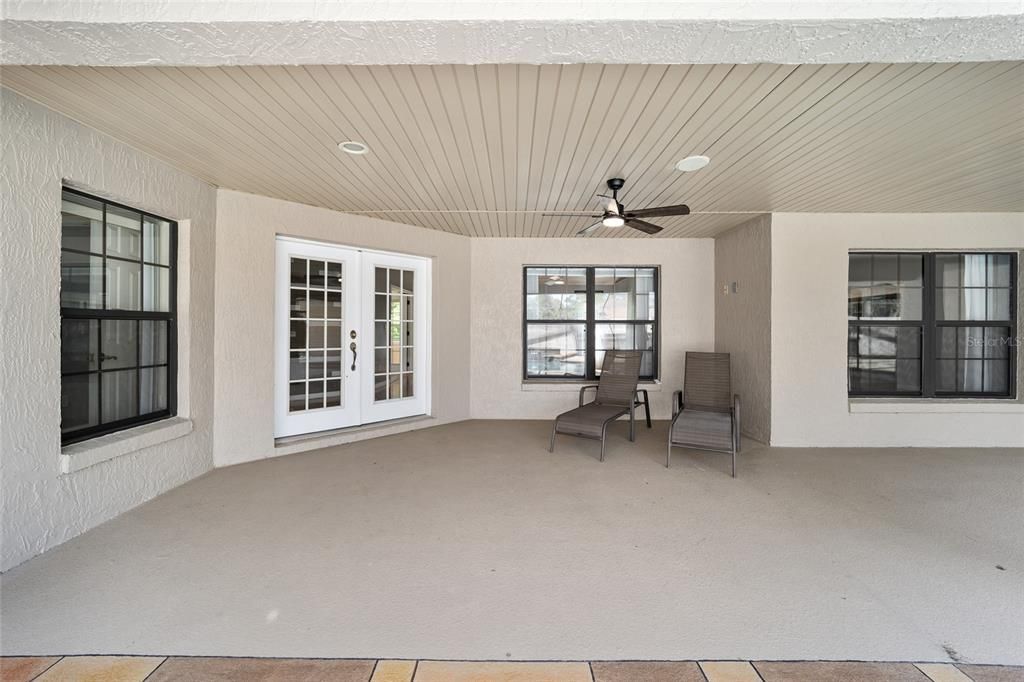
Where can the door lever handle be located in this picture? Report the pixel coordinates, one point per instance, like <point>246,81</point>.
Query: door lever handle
<point>352,347</point>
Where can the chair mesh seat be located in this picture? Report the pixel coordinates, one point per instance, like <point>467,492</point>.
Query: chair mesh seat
<point>588,420</point>
<point>700,429</point>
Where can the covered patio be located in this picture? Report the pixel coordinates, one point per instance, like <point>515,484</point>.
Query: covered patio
<point>471,541</point>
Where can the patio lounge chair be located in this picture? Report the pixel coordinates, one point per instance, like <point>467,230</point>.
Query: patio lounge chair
<point>705,414</point>
<point>616,396</point>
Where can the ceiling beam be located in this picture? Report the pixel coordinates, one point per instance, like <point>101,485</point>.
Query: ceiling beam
<point>248,32</point>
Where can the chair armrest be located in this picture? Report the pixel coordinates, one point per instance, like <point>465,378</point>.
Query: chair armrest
<point>677,402</point>
<point>583,389</point>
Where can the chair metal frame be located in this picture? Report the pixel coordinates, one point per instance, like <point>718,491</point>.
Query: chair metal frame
<point>678,407</point>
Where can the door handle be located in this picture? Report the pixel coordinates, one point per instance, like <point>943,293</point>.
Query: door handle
<point>352,347</point>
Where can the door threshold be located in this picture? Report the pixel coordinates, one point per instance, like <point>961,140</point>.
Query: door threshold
<point>386,425</point>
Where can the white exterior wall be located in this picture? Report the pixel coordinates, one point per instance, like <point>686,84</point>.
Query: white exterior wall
<point>41,507</point>
<point>743,320</point>
<point>687,316</point>
<point>809,326</point>
<point>244,356</point>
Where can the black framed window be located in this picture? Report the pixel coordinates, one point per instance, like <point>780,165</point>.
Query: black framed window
<point>933,325</point>
<point>573,314</point>
<point>117,301</point>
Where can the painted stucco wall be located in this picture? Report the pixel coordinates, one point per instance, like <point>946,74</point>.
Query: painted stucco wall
<point>687,316</point>
<point>151,33</point>
<point>743,320</point>
<point>40,506</point>
<point>244,355</point>
<point>809,327</point>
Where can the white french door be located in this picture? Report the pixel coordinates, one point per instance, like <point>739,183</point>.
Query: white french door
<point>351,337</point>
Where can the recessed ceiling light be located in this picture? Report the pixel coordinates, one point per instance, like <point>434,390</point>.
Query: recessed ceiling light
<point>353,147</point>
<point>692,163</point>
<point>613,221</point>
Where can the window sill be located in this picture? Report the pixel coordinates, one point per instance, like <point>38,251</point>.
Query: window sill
<point>103,448</point>
<point>933,406</point>
<point>573,386</point>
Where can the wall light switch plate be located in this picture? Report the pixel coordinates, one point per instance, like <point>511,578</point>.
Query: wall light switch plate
<point>735,287</point>
<point>725,289</point>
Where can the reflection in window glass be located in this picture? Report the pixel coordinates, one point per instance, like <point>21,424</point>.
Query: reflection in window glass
<point>117,368</point>
<point>967,359</point>
<point>594,309</point>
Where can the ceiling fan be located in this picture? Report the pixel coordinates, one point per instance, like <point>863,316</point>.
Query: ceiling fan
<point>615,214</point>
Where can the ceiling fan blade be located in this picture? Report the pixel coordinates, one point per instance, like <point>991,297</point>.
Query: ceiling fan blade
<point>678,209</point>
<point>609,203</point>
<point>587,230</point>
<point>577,214</point>
<point>643,226</point>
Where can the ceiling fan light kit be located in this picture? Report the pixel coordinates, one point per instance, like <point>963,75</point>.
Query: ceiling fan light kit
<point>616,215</point>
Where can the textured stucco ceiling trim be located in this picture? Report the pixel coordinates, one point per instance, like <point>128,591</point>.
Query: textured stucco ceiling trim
<point>103,41</point>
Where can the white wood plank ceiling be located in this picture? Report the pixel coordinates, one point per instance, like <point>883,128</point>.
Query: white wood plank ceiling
<point>484,150</point>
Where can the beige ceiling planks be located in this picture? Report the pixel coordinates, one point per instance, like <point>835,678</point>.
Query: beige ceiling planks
<point>854,136</point>
<point>784,104</point>
<point>419,167</point>
<point>723,110</point>
<point>901,127</point>
<point>267,118</point>
<point>355,89</point>
<point>796,139</point>
<point>735,157</point>
<point>471,149</point>
<point>418,93</point>
<point>632,87</point>
<point>366,181</point>
<point>576,123</point>
<point>471,145</point>
<point>976,155</point>
<point>506,85</point>
<point>489,114</point>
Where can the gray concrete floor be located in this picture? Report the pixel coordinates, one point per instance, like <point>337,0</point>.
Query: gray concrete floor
<point>470,541</point>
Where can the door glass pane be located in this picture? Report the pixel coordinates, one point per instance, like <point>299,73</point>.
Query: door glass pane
<point>333,275</point>
<point>333,398</point>
<point>124,233</point>
<point>315,334</point>
<point>317,274</point>
<point>297,366</point>
<point>79,400</point>
<point>315,396</point>
<point>297,396</point>
<point>81,280</point>
<point>299,303</point>
<point>298,277</point>
<point>315,363</point>
<point>316,305</point>
<point>392,330</point>
<point>81,223</point>
<point>119,397</point>
<point>123,286</point>
<point>334,368</point>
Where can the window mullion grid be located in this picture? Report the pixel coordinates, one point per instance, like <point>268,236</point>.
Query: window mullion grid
<point>104,313</point>
<point>929,364</point>
<point>590,329</point>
